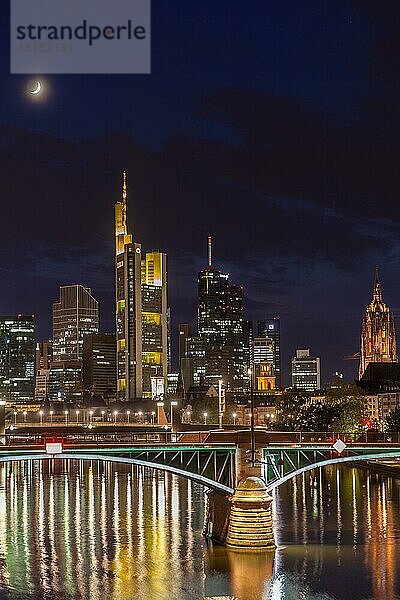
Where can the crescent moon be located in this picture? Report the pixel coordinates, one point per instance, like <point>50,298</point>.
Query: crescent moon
<point>37,89</point>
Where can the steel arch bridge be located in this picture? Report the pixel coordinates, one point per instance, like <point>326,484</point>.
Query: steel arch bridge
<point>216,465</point>
<point>280,464</point>
<point>212,466</point>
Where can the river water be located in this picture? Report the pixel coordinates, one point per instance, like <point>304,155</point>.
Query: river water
<point>75,529</point>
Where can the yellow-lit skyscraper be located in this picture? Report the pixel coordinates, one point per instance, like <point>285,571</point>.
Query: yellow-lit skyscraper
<point>154,324</point>
<point>128,305</point>
<point>141,313</point>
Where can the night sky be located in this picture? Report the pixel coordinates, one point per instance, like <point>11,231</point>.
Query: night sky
<point>273,126</point>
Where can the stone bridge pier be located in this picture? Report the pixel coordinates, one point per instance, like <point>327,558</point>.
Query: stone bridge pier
<point>243,520</point>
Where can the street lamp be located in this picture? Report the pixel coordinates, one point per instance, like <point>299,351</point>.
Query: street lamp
<point>15,417</point>
<point>41,416</point>
<point>153,414</point>
<point>140,416</point>
<point>234,415</point>
<point>205,415</point>
<point>173,403</point>
<point>115,416</point>
<point>221,402</point>
<point>252,433</point>
<point>128,413</point>
<point>102,415</point>
<point>90,416</point>
<point>25,413</point>
<point>77,415</point>
<point>66,416</point>
<point>51,416</point>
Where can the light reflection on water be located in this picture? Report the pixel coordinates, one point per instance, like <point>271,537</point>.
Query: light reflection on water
<point>93,530</point>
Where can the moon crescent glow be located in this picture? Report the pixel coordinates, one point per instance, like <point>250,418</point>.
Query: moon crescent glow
<point>37,89</point>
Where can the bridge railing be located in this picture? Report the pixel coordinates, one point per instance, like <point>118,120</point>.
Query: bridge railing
<point>330,437</point>
<point>118,438</point>
<point>268,438</point>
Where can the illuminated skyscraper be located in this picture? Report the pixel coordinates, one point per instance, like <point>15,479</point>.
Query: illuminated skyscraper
<point>154,324</point>
<point>44,356</point>
<point>378,335</point>
<point>128,305</point>
<point>17,359</point>
<point>306,371</point>
<point>99,366</point>
<point>220,326</point>
<point>185,331</point>
<point>74,315</point>
<point>271,328</point>
<point>141,313</point>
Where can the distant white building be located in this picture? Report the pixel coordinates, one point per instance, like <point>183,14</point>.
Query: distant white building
<point>306,371</point>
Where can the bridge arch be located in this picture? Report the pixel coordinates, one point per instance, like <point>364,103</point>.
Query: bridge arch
<point>205,481</point>
<point>330,461</point>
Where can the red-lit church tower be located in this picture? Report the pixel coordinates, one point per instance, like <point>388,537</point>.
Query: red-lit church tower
<point>378,335</point>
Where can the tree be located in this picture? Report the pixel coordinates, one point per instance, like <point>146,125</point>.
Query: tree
<point>392,421</point>
<point>288,406</point>
<point>350,416</point>
<point>317,416</point>
<point>343,391</point>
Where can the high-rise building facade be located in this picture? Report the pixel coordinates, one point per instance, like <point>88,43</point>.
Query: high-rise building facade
<point>44,357</point>
<point>154,324</point>
<point>17,359</point>
<point>194,366</point>
<point>74,315</point>
<point>142,317</point>
<point>272,328</point>
<point>128,305</point>
<point>306,371</point>
<point>378,335</point>
<point>65,382</point>
<point>220,326</point>
<point>185,331</point>
<point>248,336</point>
<point>99,366</point>
<point>263,350</point>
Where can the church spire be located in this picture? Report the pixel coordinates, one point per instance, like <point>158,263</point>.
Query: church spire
<point>378,334</point>
<point>377,287</point>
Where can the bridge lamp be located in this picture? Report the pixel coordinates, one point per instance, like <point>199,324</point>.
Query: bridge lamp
<point>128,412</point>
<point>205,415</point>
<point>51,416</point>
<point>102,415</point>
<point>140,416</point>
<point>172,405</point>
<point>115,416</point>
<point>234,415</point>
<point>25,413</point>
<point>77,415</point>
<point>90,415</point>
<point>153,414</point>
<point>252,432</point>
<point>66,415</point>
<point>41,416</point>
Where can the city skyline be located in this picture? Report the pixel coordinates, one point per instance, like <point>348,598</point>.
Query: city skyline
<point>121,232</point>
<point>286,168</point>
